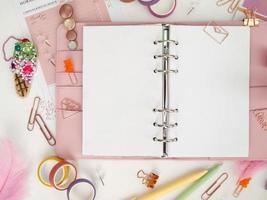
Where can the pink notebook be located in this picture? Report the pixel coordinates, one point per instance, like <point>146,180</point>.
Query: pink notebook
<point>69,95</point>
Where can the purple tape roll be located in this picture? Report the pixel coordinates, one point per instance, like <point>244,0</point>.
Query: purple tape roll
<point>148,2</point>
<point>78,181</point>
<point>155,10</point>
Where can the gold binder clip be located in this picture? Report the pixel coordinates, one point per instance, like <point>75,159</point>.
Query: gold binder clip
<point>250,19</point>
<point>149,180</point>
<point>214,186</point>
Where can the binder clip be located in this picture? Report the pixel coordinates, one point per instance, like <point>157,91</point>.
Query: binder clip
<point>149,180</point>
<point>241,185</point>
<point>250,19</point>
<point>214,186</point>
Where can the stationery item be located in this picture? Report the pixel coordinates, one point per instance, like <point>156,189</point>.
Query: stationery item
<point>69,68</point>
<point>216,32</point>
<point>232,7</point>
<point>162,9</point>
<point>23,63</point>
<point>92,192</point>
<point>214,186</point>
<point>247,171</point>
<point>149,180</point>
<point>192,188</point>
<point>36,117</point>
<point>260,7</point>
<point>148,2</point>
<point>134,101</point>
<point>70,139</point>
<point>43,17</point>
<point>72,175</point>
<point>194,4</point>
<point>46,166</point>
<point>180,182</point>
<point>66,12</point>
<point>13,172</point>
<point>250,19</point>
<point>127,1</point>
<point>45,130</point>
<point>33,113</point>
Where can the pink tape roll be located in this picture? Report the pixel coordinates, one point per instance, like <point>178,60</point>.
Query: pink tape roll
<point>156,9</point>
<point>148,2</point>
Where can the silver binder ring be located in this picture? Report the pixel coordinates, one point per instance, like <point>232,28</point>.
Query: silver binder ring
<point>166,110</point>
<point>165,140</point>
<point>166,71</point>
<point>170,41</point>
<point>165,125</point>
<point>166,56</point>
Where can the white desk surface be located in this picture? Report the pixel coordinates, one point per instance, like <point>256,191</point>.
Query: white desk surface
<point>119,176</point>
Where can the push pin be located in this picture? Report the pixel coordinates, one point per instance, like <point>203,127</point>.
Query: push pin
<point>69,68</point>
<point>149,180</point>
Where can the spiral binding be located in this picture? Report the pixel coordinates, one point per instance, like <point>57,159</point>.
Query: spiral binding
<point>165,110</point>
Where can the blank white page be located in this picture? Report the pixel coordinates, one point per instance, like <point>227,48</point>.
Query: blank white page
<point>211,91</point>
<point>120,90</point>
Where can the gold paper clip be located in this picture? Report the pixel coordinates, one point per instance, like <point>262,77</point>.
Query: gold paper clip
<point>33,113</point>
<point>45,130</point>
<point>214,186</point>
<point>250,19</point>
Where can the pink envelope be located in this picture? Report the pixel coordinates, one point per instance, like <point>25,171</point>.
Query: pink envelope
<point>69,132</point>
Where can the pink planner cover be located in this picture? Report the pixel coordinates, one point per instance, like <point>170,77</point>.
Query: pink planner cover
<point>43,26</point>
<point>69,95</point>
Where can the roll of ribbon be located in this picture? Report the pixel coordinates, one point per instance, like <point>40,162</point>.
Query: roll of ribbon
<point>72,175</point>
<point>80,181</point>
<point>162,8</point>
<point>148,2</point>
<point>49,163</point>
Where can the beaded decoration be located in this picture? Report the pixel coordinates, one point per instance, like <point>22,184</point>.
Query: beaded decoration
<point>23,62</point>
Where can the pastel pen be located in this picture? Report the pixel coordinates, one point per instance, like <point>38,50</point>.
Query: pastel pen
<point>188,191</point>
<point>161,191</point>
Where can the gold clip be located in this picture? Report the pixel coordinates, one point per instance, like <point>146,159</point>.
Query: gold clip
<point>250,19</point>
<point>45,130</point>
<point>214,186</point>
<point>149,180</point>
<point>33,113</point>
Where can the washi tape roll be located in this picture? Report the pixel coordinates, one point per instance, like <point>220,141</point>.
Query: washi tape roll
<point>92,192</point>
<point>163,8</point>
<point>48,164</point>
<point>148,2</point>
<point>72,175</point>
<point>127,1</point>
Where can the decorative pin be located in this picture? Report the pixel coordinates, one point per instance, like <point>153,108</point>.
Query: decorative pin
<point>149,180</point>
<point>23,63</point>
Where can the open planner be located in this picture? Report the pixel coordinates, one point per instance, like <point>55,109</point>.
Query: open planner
<point>165,90</point>
<point>145,91</point>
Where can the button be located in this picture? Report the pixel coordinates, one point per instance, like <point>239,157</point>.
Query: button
<point>69,24</point>
<point>66,11</point>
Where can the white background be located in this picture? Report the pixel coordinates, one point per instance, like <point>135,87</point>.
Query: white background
<point>119,176</point>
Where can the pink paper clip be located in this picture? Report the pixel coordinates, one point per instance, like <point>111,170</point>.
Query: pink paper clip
<point>214,186</point>
<point>45,130</point>
<point>33,113</point>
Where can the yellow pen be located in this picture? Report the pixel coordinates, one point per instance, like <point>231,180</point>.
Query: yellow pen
<point>161,191</point>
